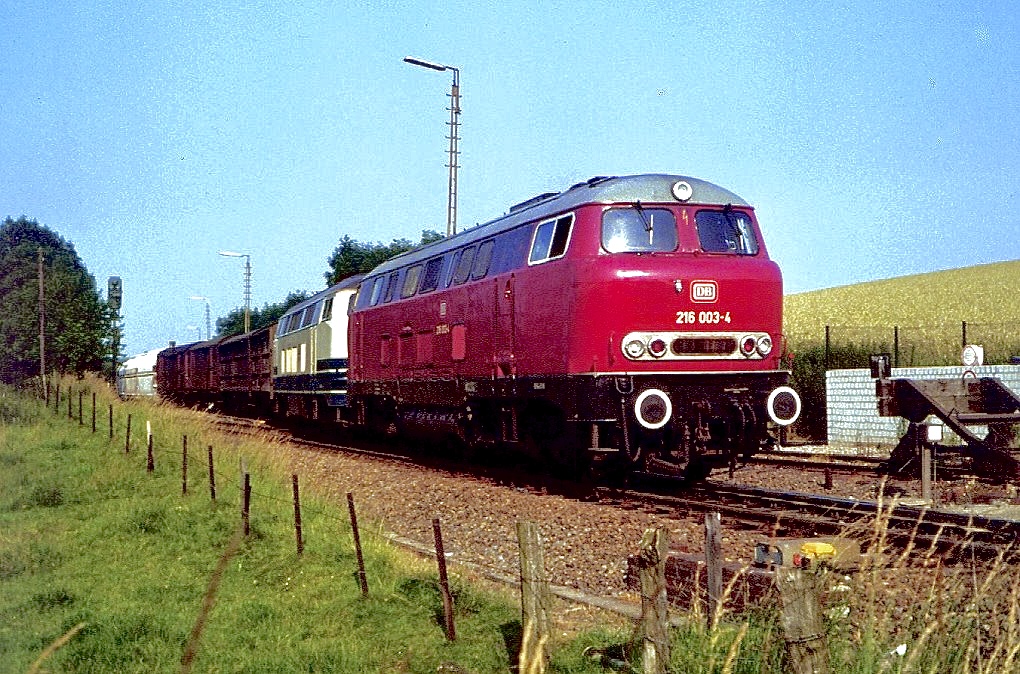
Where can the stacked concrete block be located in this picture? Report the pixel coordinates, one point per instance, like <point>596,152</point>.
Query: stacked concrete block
<point>852,406</point>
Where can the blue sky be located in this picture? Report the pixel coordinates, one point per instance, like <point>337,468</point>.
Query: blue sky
<point>875,139</point>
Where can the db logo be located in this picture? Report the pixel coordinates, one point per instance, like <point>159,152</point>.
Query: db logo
<point>704,291</point>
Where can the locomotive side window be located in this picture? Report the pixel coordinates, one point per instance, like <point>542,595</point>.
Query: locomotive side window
<point>726,231</point>
<point>430,279</point>
<point>464,262</point>
<point>391,287</point>
<point>551,238</point>
<point>377,289</point>
<point>484,258</point>
<point>411,281</point>
<point>309,315</point>
<point>638,230</point>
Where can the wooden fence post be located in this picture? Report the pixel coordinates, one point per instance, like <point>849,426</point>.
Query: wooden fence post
<point>654,603</point>
<point>357,545</point>
<point>127,436</point>
<point>81,419</point>
<point>212,476</point>
<point>184,465</point>
<point>444,582</point>
<point>70,393</point>
<point>246,504</point>
<point>806,649</point>
<point>534,655</point>
<point>150,459</point>
<point>713,566</point>
<point>111,421</point>
<point>93,411</point>
<point>297,514</point>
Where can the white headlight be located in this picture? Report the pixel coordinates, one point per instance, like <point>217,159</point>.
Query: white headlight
<point>764,345</point>
<point>635,348</point>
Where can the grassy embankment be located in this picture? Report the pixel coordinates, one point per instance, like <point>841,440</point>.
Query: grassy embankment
<point>117,561</point>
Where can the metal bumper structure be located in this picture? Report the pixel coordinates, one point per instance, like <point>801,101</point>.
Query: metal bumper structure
<point>967,405</point>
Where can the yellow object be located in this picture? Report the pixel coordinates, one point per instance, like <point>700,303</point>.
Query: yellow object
<point>817,549</point>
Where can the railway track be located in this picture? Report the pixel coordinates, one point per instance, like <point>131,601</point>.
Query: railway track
<point>950,534</point>
<point>836,463</point>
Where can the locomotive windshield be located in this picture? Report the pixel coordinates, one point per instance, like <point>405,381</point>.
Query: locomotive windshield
<point>638,230</point>
<point>726,231</point>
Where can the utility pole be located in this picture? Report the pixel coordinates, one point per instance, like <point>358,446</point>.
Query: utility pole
<point>42,326</point>
<point>114,295</point>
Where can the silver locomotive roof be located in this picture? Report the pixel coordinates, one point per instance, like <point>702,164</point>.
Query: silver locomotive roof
<point>652,188</point>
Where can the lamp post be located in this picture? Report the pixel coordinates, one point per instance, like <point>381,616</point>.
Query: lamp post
<point>208,320</point>
<point>454,137</point>
<point>247,284</point>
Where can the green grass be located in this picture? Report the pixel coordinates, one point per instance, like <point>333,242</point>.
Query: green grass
<point>88,537</point>
<point>117,563</point>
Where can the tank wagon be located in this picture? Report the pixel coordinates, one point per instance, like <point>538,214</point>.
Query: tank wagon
<point>629,322</point>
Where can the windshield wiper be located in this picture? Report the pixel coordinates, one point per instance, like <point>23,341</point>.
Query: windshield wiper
<point>728,214</point>
<point>649,227</point>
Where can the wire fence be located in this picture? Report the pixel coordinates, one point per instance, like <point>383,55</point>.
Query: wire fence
<point>933,344</point>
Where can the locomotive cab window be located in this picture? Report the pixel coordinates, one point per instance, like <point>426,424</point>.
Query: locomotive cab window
<point>726,231</point>
<point>638,230</point>
<point>551,239</point>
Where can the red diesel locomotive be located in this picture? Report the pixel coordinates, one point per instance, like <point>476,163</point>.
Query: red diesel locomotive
<point>632,321</point>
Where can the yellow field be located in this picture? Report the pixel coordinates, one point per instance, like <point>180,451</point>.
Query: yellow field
<point>928,309</point>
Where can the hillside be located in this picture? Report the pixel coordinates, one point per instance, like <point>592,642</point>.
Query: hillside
<point>986,296</point>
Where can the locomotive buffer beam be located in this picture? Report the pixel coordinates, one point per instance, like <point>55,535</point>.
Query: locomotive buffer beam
<point>961,404</point>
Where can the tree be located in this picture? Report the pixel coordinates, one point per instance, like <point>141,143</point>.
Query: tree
<point>352,257</point>
<point>79,324</point>
<point>233,323</point>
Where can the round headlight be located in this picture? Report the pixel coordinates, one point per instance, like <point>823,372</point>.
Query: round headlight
<point>657,347</point>
<point>748,344</point>
<point>635,348</point>
<point>764,345</point>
